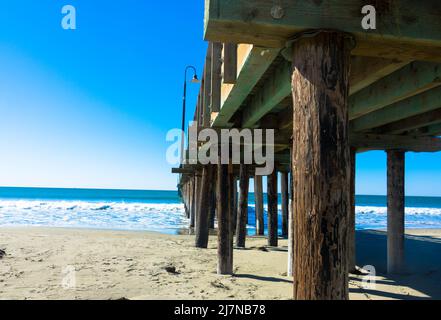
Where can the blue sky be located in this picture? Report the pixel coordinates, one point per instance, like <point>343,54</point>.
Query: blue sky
<point>91,107</point>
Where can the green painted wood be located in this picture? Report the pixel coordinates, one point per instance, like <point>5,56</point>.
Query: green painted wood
<point>433,130</point>
<point>418,104</point>
<point>402,25</point>
<point>274,90</point>
<point>414,78</point>
<point>257,62</point>
<point>388,142</point>
<point>408,124</point>
<point>229,67</point>
<point>410,80</point>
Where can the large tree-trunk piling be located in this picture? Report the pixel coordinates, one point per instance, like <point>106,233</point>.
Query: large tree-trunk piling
<point>242,215</point>
<point>285,202</point>
<point>273,212</point>
<point>224,213</point>
<point>321,163</point>
<point>395,211</point>
<point>202,220</point>
<point>258,200</point>
<point>351,219</point>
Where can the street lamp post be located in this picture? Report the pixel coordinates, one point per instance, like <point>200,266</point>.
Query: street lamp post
<point>194,80</point>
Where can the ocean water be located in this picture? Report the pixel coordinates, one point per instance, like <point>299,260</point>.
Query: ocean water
<point>162,211</point>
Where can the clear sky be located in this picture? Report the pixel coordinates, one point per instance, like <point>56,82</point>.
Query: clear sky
<point>91,107</point>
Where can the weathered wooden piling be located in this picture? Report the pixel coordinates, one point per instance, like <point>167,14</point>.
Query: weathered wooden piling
<point>224,212</point>
<point>351,219</point>
<point>242,215</point>
<point>395,211</point>
<point>321,65</point>
<point>273,237</point>
<point>194,189</point>
<point>258,199</point>
<point>202,220</point>
<point>285,202</point>
<point>235,201</point>
<point>213,203</point>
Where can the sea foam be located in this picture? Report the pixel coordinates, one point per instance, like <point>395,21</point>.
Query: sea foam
<point>165,217</point>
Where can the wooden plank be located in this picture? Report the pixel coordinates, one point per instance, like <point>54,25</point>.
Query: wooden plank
<point>216,76</point>
<point>229,66</point>
<point>415,122</point>
<point>367,70</point>
<point>254,66</point>
<point>389,142</point>
<point>320,167</point>
<point>414,78</point>
<point>405,28</point>
<point>421,103</point>
<point>395,211</point>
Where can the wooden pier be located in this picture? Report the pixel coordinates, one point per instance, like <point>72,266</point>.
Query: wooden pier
<point>329,89</point>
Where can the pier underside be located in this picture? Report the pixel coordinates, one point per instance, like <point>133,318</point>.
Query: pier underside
<point>329,89</point>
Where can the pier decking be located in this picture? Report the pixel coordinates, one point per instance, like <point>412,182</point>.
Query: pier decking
<point>329,89</point>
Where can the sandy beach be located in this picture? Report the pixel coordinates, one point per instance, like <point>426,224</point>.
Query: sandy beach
<point>39,264</point>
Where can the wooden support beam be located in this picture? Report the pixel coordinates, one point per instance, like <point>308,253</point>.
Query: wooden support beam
<point>277,87</point>
<point>405,28</point>
<point>285,202</point>
<point>388,142</point>
<point>415,122</point>
<point>367,70</point>
<point>229,66</point>
<point>413,79</point>
<point>433,130</point>
<point>216,76</point>
<point>202,220</point>
<point>256,62</point>
<point>395,211</point>
<point>418,104</point>
<point>320,166</point>
<point>273,210</point>
<point>242,215</point>
<point>258,199</point>
<point>351,215</point>
<point>224,212</point>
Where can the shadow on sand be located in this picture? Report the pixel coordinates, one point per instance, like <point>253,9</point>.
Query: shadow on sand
<point>423,264</point>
